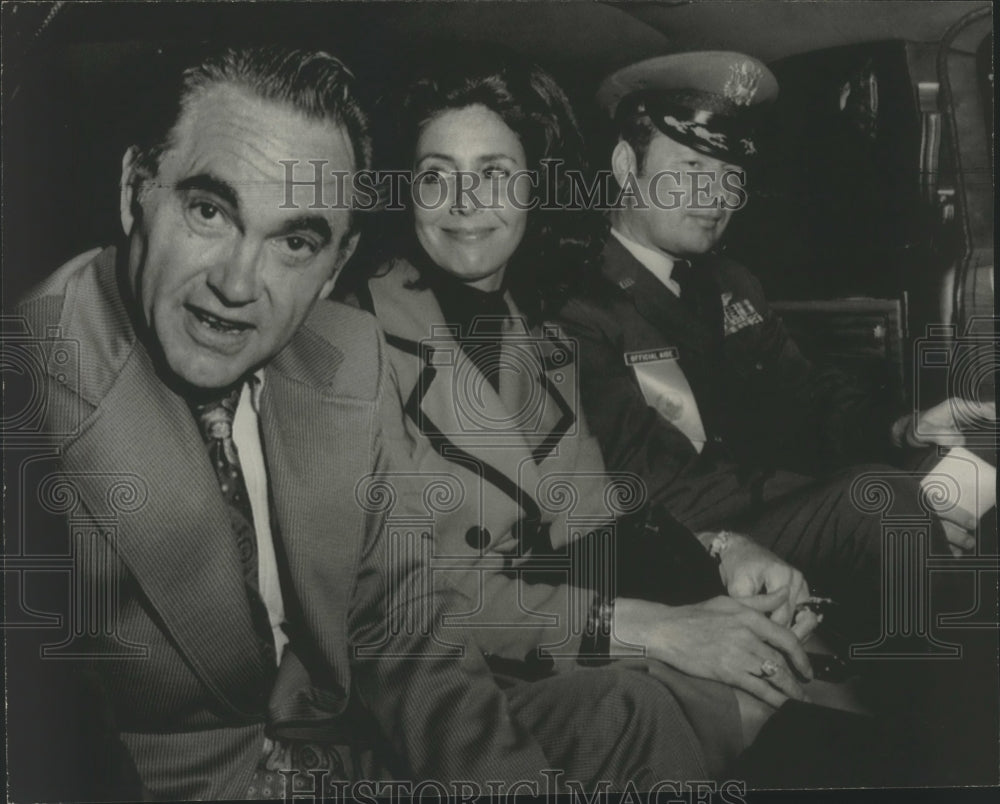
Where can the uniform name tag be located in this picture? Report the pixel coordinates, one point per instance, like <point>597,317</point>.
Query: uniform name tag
<point>650,355</point>
<point>739,315</point>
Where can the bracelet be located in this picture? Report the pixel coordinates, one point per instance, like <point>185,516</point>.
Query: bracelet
<point>719,545</point>
<point>595,648</point>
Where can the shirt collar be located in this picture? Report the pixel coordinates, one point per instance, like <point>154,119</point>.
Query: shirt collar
<point>255,385</point>
<point>656,262</point>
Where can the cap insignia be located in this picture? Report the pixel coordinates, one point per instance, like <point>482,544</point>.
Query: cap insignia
<point>741,86</point>
<point>693,128</point>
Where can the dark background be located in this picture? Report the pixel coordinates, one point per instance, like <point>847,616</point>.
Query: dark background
<point>834,211</point>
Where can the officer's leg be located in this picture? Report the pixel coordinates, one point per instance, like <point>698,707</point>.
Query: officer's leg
<point>833,532</point>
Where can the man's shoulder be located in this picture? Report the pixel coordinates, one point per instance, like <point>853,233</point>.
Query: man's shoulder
<point>597,308</point>
<point>78,324</point>
<point>600,298</point>
<point>733,276</point>
<point>342,347</point>
<point>46,303</point>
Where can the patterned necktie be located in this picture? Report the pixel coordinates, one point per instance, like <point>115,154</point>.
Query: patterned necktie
<point>216,422</point>
<point>215,419</point>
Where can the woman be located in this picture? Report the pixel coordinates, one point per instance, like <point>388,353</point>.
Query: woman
<point>531,517</point>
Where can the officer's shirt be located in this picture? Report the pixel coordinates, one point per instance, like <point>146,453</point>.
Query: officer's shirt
<point>658,371</point>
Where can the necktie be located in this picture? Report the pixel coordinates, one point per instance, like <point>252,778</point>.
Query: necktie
<point>684,275</point>
<point>215,419</point>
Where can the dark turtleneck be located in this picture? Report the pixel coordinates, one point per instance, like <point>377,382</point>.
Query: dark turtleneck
<point>479,316</point>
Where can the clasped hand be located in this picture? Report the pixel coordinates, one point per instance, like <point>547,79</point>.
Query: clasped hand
<point>722,639</point>
<point>747,569</point>
<point>750,640</point>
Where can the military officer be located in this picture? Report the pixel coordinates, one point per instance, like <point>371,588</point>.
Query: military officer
<point>690,380</point>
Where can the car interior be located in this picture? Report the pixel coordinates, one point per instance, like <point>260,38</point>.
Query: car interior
<point>870,221</point>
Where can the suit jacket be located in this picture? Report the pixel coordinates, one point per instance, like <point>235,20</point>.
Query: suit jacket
<point>191,701</point>
<point>763,405</point>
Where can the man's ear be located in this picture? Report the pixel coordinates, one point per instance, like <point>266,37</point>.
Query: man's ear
<point>623,162</point>
<point>346,250</point>
<point>134,178</point>
<point>129,189</point>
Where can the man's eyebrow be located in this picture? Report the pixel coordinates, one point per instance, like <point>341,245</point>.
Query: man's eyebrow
<point>311,223</point>
<point>208,183</point>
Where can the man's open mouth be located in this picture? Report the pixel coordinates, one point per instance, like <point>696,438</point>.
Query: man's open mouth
<point>218,323</point>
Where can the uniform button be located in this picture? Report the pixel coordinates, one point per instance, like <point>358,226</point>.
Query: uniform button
<point>477,538</point>
<point>716,439</point>
<point>759,366</point>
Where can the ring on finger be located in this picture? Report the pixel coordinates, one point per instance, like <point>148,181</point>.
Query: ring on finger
<point>768,668</point>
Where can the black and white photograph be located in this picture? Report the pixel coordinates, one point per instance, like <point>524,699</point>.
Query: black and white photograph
<point>583,401</point>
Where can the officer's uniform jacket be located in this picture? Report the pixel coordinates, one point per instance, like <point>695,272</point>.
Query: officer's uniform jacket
<point>762,404</point>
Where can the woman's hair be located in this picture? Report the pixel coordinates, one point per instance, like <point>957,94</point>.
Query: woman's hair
<point>559,240</point>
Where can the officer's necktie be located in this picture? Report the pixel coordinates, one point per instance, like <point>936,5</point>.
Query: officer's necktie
<point>215,419</point>
<point>683,273</point>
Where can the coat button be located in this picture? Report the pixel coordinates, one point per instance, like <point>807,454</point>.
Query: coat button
<point>477,538</point>
<point>759,366</point>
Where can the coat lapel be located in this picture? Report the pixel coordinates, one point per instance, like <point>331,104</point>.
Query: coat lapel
<point>178,543</point>
<point>656,304</point>
<point>317,445</point>
<point>446,396</point>
<point>526,471</point>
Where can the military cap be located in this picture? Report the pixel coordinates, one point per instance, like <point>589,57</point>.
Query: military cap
<point>705,100</point>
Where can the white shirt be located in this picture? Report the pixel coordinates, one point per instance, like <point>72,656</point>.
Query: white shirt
<point>246,436</point>
<point>656,262</point>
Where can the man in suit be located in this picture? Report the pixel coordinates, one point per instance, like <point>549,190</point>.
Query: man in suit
<point>233,606</point>
<point>690,381</point>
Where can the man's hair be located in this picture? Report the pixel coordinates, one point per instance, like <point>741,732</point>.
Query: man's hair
<point>312,82</point>
<point>638,131</point>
